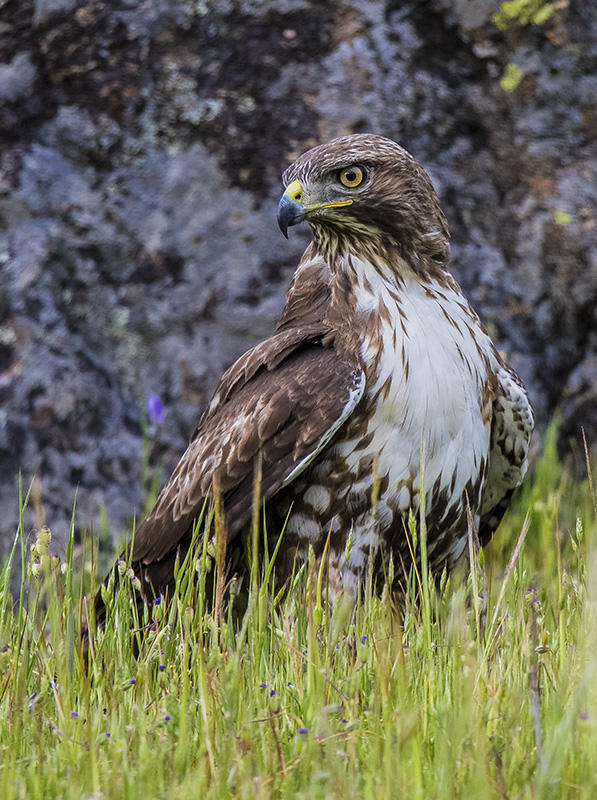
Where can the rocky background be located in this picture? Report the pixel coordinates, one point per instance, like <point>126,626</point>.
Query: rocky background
<point>141,145</point>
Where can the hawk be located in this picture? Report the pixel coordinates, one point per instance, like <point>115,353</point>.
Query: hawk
<point>379,385</point>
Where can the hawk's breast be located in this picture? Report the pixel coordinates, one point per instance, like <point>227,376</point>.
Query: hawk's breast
<point>421,422</point>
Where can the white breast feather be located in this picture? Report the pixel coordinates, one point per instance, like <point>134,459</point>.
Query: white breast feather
<point>433,410</point>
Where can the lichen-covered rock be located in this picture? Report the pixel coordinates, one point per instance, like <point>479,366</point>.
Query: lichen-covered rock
<point>140,151</point>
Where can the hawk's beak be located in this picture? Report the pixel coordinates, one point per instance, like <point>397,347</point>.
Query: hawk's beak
<point>290,210</point>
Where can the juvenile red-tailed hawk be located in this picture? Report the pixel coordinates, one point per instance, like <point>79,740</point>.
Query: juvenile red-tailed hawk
<point>378,362</point>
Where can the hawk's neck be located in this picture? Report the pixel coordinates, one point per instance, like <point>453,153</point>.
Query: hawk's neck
<point>424,254</point>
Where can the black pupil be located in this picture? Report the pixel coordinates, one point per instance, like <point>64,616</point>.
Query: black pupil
<point>351,176</point>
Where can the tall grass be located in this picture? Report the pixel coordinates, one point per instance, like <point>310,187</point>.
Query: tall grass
<point>294,701</point>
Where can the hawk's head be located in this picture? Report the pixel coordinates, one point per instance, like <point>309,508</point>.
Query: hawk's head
<point>367,195</point>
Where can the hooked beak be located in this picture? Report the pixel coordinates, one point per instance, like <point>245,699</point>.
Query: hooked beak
<point>289,213</point>
<point>290,210</point>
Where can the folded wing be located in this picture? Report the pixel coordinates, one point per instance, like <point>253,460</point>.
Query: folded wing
<point>511,429</point>
<point>284,416</point>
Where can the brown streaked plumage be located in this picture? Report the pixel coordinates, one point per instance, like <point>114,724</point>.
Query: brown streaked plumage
<point>377,362</point>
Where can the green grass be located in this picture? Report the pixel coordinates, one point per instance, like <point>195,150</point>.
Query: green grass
<point>372,703</point>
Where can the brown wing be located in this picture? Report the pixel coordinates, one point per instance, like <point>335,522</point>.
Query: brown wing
<point>286,414</point>
<point>511,429</point>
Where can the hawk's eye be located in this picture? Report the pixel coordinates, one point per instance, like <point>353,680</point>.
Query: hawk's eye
<point>351,176</point>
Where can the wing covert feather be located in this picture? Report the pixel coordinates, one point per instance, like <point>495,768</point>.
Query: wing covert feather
<point>511,429</point>
<point>287,415</point>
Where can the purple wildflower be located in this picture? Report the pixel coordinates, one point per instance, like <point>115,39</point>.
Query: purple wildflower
<point>132,681</point>
<point>263,685</point>
<point>272,692</point>
<point>363,639</point>
<point>74,714</point>
<point>155,409</point>
<point>157,601</point>
<point>302,730</point>
<point>167,717</point>
<point>162,667</point>
<point>107,734</point>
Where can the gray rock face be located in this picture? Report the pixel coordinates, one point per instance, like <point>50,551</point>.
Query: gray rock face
<point>140,151</point>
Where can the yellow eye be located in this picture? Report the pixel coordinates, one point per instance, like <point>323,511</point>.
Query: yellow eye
<point>351,176</point>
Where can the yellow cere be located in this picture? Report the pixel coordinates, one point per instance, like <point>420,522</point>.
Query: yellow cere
<point>294,190</point>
